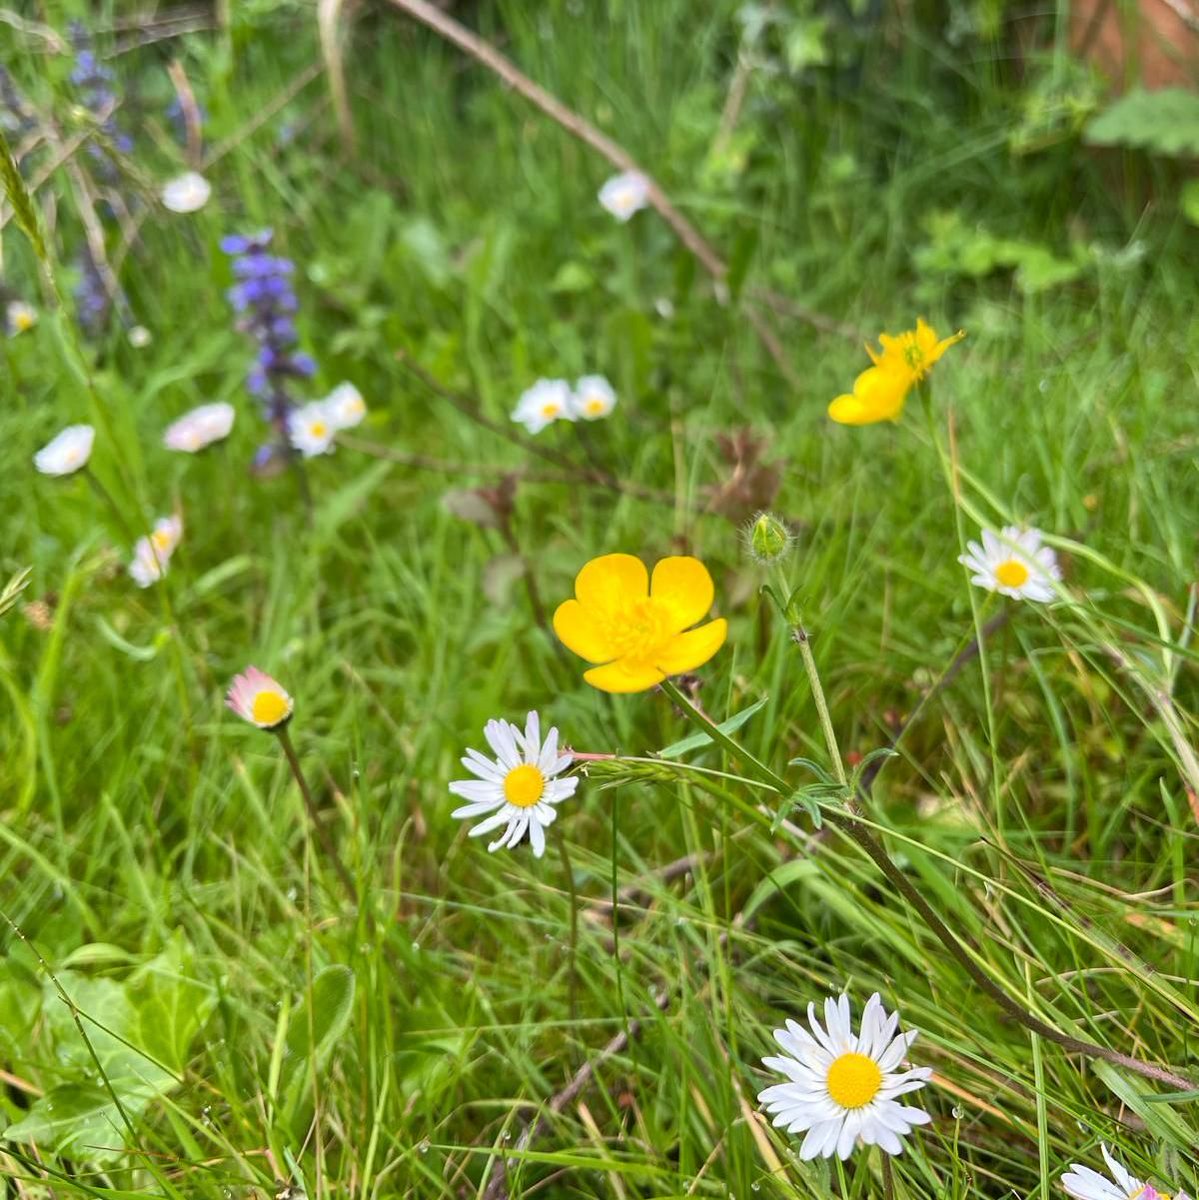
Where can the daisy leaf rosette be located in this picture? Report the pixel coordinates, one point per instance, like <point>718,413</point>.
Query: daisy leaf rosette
<point>638,629</point>
<point>517,789</point>
<point>842,1088</point>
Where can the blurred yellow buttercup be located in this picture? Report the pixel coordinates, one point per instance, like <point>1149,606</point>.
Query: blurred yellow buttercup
<point>636,629</point>
<point>880,391</point>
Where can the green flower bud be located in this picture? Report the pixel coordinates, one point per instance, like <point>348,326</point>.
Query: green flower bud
<point>769,540</point>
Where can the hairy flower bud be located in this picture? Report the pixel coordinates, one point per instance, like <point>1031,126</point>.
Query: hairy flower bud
<point>768,539</point>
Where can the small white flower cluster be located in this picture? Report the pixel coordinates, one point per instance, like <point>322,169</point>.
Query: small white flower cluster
<point>549,400</point>
<point>151,554</point>
<point>313,427</point>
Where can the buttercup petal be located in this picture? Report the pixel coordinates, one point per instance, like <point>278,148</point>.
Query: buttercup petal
<point>578,632</point>
<point>623,676</point>
<point>611,583</point>
<point>684,586</point>
<point>693,649</point>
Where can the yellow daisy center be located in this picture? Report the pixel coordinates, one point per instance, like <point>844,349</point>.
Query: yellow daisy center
<point>854,1080</point>
<point>595,407</point>
<point>549,410</point>
<point>524,785</point>
<point>23,321</point>
<point>1012,574</point>
<point>269,708</point>
<point>161,539</point>
<point>318,429</point>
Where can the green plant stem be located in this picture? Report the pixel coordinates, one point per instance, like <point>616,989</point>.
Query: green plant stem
<point>888,1181</point>
<point>322,833</point>
<point>568,869</point>
<point>800,636</point>
<point>874,849</point>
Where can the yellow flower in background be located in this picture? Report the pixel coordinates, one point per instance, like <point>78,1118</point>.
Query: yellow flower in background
<point>878,395</point>
<point>904,361</point>
<point>638,629</point>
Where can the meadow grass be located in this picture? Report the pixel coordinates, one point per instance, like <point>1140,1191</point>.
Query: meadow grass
<point>156,864</point>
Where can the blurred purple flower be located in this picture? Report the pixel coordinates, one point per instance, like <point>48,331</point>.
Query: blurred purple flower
<point>262,297</point>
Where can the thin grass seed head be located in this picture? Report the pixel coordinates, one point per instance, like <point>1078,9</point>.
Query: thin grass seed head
<point>519,788</point>
<point>636,629</point>
<point>842,1088</point>
<point>259,699</point>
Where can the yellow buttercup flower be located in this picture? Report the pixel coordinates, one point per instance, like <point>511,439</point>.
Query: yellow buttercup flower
<point>904,361</point>
<point>636,628</point>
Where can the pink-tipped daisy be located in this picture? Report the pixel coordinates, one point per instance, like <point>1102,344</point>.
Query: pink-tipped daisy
<point>259,699</point>
<point>1085,1184</point>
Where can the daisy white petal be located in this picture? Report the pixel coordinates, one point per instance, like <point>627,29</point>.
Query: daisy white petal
<point>548,400</point>
<point>200,427</point>
<point>841,1085</point>
<point>625,194</point>
<point>310,429</point>
<point>19,317</point>
<point>593,398</point>
<point>517,789</point>
<point>187,193</point>
<point>259,699</point>
<point>345,407</point>
<point>66,453</point>
<point>1013,563</point>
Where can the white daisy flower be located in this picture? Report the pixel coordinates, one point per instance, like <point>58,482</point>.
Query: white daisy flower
<point>66,453</point>
<point>842,1088</point>
<point>151,554</point>
<point>548,400</point>
<point>625,194</point>
<point>200,427</point>
<point>1014,563</point>
<point>519,788</point>
<point>259,699</point>
<point>593,398</point>
<point>345,406</point>
<point>19,317</point>
<point>140,337</point>
<point>311,430</point>
<point>1086,1184</point>
<point>187,193</point>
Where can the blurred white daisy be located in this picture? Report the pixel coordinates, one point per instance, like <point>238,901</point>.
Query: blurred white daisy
<point>345,406</point>
<point>186,193</point>
<point>200,427</point>
<point>1014,563</point>
<point>19,317</point>
<point>842,1087</point>
<point>593,398</point>
<point>311,430</point>
<point>519,788</point>
<point>140,337</point>
<point>1086,1184</point>
<point>548,400</point>
<point>259,699</point>
<point>66,453</point>
<point>152,554</point>
<point>625,194</point>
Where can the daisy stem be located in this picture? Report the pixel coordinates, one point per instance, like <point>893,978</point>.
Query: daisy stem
<point>322,833</point>
<point>568,868</point>
<point>888,1181</point>
<point>106,498</point>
